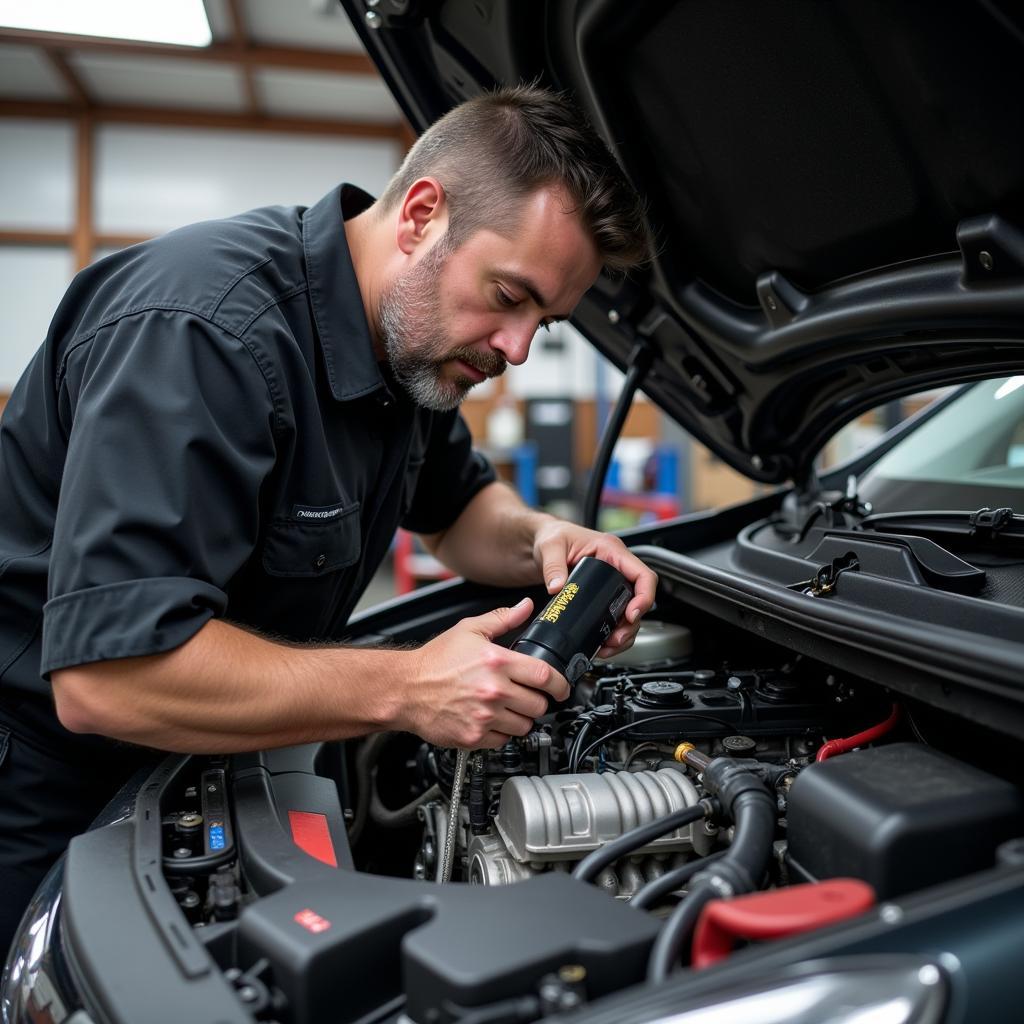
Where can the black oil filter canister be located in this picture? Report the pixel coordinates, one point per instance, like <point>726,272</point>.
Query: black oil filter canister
<point>578,619</point>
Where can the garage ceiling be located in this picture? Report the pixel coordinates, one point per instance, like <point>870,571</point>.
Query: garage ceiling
<point>288,64</point>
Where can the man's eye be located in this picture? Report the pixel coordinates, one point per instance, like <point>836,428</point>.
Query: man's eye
<point>505,299</point>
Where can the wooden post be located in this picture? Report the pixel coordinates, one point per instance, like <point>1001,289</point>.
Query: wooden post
<point>84,238</point>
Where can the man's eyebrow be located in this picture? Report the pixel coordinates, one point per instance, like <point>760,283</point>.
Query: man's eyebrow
<point>531,289</point>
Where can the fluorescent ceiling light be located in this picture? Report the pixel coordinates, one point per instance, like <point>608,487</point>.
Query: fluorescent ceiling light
<point>156,21</point>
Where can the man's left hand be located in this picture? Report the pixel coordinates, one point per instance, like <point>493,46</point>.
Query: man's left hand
<point>559,545</point>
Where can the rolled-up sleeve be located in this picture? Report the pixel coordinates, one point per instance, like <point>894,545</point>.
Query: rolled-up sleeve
<point>451,475</point>
<point>171,436</point>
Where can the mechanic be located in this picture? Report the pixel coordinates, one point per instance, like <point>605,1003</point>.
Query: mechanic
<point>206,461</point>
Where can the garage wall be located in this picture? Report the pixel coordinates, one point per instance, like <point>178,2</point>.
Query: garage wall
<point>37,184</point>
<point>151,180</point>
<point>146,181</point>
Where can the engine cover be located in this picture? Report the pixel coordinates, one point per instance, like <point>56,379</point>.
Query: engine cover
<point>564,817</point>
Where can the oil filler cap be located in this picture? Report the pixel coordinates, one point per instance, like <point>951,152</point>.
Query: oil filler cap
<point>664,693</point>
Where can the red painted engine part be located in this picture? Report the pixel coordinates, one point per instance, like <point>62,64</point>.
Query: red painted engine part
<point>776,915</point>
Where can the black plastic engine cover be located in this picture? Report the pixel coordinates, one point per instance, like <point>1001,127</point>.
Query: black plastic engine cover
<point>749,703</point>
<point>901,817</point>
<point>340,947</point>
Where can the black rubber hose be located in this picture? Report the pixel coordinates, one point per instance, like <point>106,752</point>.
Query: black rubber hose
<point>639,363</point>
<point>577,744</point>
<point>677,930</point>
<point>752,809</point>
<point>751,849</point>
<point>366,759</point>
<point>594,863</point>
<point>653,891</point>
<point>751,805</point>
<point>399,817</point>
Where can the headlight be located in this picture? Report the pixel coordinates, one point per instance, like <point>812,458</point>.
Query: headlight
<point>36,984</point>
<point>856,990</point>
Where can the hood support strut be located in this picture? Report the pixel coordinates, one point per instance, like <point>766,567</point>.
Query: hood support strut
<point>640,360</point>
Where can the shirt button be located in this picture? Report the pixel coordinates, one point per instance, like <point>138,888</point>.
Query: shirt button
<point>385,399</point>
<point>320,561</point>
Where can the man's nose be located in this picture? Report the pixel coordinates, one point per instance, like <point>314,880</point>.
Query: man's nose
<point>513,342</point>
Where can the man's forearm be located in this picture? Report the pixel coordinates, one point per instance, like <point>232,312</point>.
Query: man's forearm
<point>493,540</point>
<point>227,690</point>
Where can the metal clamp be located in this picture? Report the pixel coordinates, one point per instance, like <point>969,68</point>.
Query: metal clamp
<point>989,521</point>
<point>824,581</point>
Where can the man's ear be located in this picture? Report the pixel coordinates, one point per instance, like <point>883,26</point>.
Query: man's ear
<point>423,215</point>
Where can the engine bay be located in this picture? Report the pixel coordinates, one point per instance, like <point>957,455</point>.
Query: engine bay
<point>605,762</point>
<point>706,764</point>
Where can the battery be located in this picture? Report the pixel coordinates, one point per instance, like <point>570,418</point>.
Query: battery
<point>575,623</point>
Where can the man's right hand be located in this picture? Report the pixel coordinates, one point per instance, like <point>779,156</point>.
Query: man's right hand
<point>466,691</point>
<point>227,690</point>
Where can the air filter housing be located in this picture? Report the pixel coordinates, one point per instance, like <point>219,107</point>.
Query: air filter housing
<point>901,817</point>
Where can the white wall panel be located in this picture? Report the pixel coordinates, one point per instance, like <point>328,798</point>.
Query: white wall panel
<point>37,175</point>
<point>32,282</point>
<point>151,180</point>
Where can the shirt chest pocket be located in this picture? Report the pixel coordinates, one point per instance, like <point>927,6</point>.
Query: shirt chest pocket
<point>305,548</point>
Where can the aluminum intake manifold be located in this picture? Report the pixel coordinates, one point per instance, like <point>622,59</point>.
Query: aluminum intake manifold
<point>553,818</point>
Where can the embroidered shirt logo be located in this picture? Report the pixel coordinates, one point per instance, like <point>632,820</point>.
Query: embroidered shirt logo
<point>317,512</point>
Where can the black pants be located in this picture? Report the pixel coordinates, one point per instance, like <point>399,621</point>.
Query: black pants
<point>48,794</point>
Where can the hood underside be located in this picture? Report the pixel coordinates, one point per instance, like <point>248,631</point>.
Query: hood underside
<point>837,191</point>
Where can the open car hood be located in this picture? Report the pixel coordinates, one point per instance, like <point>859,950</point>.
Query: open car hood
<point>837,191</point>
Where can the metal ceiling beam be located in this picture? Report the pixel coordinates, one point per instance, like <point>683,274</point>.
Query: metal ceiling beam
<point>187,118</point>
<point>256,56</point>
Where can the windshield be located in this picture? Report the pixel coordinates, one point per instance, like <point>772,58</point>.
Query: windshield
<point>969,455</point>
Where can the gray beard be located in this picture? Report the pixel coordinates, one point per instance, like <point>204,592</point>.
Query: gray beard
<point>408,321</point>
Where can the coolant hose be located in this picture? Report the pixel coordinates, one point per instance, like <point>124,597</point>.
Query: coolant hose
<point>831,747</point>
<point>594,863</point>
<point>751,806</point>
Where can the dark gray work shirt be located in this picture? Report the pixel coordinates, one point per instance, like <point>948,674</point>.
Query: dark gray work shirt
<point>207,433</point>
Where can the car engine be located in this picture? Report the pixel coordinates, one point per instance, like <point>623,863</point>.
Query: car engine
<point>609,761</point>
<point>700,774</point>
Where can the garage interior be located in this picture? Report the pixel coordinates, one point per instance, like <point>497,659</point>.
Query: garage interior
<point>107,142</point>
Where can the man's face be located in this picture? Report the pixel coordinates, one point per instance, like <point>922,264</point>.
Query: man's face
<point>456,318</point>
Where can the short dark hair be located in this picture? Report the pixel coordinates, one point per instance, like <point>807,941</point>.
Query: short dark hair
<point>504,145</point>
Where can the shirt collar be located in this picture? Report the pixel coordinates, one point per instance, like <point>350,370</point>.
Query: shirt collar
<point>334,295</point>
